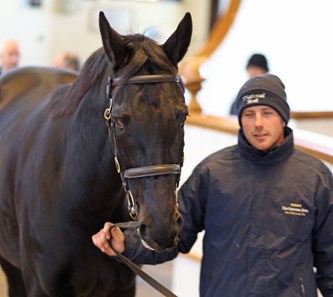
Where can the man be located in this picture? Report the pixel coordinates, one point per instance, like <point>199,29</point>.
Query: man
<point>256,65</point>
<point>68,60</point>
<point>265,206</point>
<point>9,55</point>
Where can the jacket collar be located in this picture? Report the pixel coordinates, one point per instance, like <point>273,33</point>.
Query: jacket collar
<point>275,155</point>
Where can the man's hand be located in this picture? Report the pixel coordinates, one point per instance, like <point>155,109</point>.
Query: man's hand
<point>117,237</point>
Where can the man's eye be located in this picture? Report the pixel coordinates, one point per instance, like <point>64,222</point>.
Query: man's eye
<point>248,114</point>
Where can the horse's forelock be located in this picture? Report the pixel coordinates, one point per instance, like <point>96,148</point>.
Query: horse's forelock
<point>156,55</point>
<point>146,52</point>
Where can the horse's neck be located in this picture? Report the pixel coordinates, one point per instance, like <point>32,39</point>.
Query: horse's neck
<point>89,144</point>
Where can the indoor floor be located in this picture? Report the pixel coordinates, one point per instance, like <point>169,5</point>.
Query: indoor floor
<point>161,273</point>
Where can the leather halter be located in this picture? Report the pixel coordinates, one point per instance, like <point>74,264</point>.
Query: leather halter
<point>144,171</point>
<point>151,78</point>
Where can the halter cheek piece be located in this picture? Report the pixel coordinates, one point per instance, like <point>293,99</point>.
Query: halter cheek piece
<point>145,171</point>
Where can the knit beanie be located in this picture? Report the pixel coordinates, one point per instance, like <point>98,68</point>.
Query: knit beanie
<point>267,90</point>
<point>258,60</point>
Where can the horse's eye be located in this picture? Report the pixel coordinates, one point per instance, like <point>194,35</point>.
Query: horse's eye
<point>118,123</point>
<point>121,121</point>
<point>181,115</point>
<point>183,120</point>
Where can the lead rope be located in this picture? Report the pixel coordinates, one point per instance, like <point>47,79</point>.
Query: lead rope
<point>135,268</point>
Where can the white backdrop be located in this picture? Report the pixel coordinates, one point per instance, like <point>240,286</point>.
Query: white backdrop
<point>296,38</point>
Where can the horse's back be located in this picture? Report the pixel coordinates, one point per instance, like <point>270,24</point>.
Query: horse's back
<point>24,95</point>
<point>32,83</point>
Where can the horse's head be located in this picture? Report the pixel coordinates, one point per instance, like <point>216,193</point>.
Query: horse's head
<point>146,116</point>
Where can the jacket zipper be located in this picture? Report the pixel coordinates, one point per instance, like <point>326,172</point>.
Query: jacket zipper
<point>301,283</point>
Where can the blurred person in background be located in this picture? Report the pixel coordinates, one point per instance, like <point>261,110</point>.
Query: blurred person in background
<point>9,55</point>
<point>256,65</point>
<point>68,60</point>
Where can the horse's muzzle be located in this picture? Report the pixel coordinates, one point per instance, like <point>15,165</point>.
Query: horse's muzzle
<point>161,236</point>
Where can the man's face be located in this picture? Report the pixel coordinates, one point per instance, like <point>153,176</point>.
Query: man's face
<point>263,127</point>
<point>10,56</point>
<point>253,71</point>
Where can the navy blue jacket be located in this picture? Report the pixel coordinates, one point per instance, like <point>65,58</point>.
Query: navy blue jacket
<point>268,220</point>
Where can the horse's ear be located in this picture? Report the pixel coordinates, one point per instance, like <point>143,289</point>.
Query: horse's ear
<point>114,46</point>
<point>177,44</point>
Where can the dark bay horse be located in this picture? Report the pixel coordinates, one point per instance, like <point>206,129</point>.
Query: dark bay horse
<point>60,137</point>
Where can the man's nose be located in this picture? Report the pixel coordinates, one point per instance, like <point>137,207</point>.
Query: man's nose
<point>258,120</point>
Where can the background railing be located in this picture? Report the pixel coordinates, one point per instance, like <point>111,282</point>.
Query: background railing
<point>314,147</point>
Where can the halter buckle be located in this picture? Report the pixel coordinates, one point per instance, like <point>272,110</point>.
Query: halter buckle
<point>116,162</point>
<point>107,114</point>
<point>131,206</point>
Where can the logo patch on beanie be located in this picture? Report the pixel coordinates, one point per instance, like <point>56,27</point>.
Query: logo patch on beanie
<point>253,98</point>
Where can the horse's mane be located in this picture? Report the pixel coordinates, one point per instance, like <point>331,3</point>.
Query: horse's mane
<point>143,52</point>
<point>66,98</point>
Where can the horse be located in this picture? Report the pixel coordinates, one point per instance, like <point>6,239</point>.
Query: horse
<point>80,149</point>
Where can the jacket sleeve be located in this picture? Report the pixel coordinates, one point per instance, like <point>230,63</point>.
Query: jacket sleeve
<point>192,209</point>
<point>323,236</point>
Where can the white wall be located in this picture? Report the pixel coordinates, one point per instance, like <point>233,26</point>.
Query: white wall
<point>72,25</point>
<point>296,37</point>
<point>30,27</point>
<point>322,126</point>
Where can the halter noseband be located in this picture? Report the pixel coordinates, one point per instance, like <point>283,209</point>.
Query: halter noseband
<point>145,171</point>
